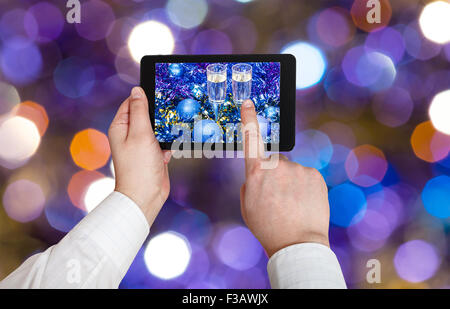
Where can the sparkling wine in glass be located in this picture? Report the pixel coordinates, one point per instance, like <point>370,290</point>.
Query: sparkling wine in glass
<point>241,83</point>
<point>217,86</point>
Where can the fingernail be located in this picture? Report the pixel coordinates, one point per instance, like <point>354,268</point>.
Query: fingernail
<point>136,93</point>
<point>247,104</point>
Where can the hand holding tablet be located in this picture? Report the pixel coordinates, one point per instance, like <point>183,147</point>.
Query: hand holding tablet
<point>284,205</point>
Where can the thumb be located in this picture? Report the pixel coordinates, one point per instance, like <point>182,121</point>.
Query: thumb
<point>118,130</point>
<point>139,116</point>
<point>253,143</point>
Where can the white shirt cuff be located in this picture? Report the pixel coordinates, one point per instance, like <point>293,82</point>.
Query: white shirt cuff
<point>305,266</point>
<point>118,227</point>
<point>95,254</point>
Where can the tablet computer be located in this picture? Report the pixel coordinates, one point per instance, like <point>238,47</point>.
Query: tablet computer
<point>196,99</point>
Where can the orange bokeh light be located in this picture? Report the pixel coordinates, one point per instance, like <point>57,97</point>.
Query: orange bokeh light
<point>364,10</point>
<point>78,185</point>
<point>429,144</point>
<point>90,149</point>
<point>34,112</point>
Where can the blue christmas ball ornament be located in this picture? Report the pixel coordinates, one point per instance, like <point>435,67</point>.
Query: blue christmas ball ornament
<point>207,130</point>
<point>187,109</point>
<point>272,113</point>
<point>176,69</point>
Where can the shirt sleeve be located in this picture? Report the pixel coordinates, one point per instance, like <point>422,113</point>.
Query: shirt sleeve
<point>96,253</point>
<point>305,266</point>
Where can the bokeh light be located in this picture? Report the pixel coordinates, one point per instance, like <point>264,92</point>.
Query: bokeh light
<point>198,269</point>
<point>143,38</point>
<point>347,204</point>
<point>74,77</point>
<point>21,61</point>
<point>79,184</point>
<point>417,45</point>
<point>371,232</point>
<point>34,112</point>
<point>435,21</point>
<point>366,165</point>
<point>43,22</point>
<point>393,107</point>
<point>312,149</point>
<point>211,42</point>
<point>9,97</point>
<point>90,149</point>
<point>194,224</point>
<point>439,112</point>
<point>97,191</point>
<point>416,261</point>
<point>12,24</point>
<point>436,196</point>
<point>120,30</point>
<point>447,51</point>
<point>167,255</point>
<point>126,67</point>
<point>334,173</point>
<point>242,32</point>
<point>339,133</point>
<point>429,144</point>
<point>369,69</point>
<point>311,63</point>
<point>388,41</point>
<point>187,13</point>
<point>334,26</point>
<point>388,202</point>
<point>97,17</point>
<point>237,248</point>
<point>19,140</point>
<point>346,101</point>
<point>23,200</point>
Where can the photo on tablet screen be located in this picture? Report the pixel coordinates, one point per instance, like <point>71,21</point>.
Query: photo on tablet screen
<point>204,99</point>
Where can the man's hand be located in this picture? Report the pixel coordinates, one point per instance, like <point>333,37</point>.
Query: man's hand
<point>140,165</point>
<point>285,205</point>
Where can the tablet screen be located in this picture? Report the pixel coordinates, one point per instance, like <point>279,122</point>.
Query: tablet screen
<point>200,102</point>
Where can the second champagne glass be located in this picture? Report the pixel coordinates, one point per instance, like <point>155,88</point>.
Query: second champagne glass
<point>241,83</point>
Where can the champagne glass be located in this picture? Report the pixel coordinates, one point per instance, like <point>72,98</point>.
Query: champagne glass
<point>241,83</point>
<point>216,74</point>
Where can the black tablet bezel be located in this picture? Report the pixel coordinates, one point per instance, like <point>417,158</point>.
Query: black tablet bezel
<point>287,89</point>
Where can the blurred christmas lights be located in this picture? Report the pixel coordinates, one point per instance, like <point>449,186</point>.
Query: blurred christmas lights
<point>150,38</point>
<point>311,63</point>
<point>19,140</point>
<point>97,191</point>
<point>58,79</point>
<point>23,200</point>
<point>90,149</point>
<point>167,255</point>
<point>439,112</point>
<point>435,21</point>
